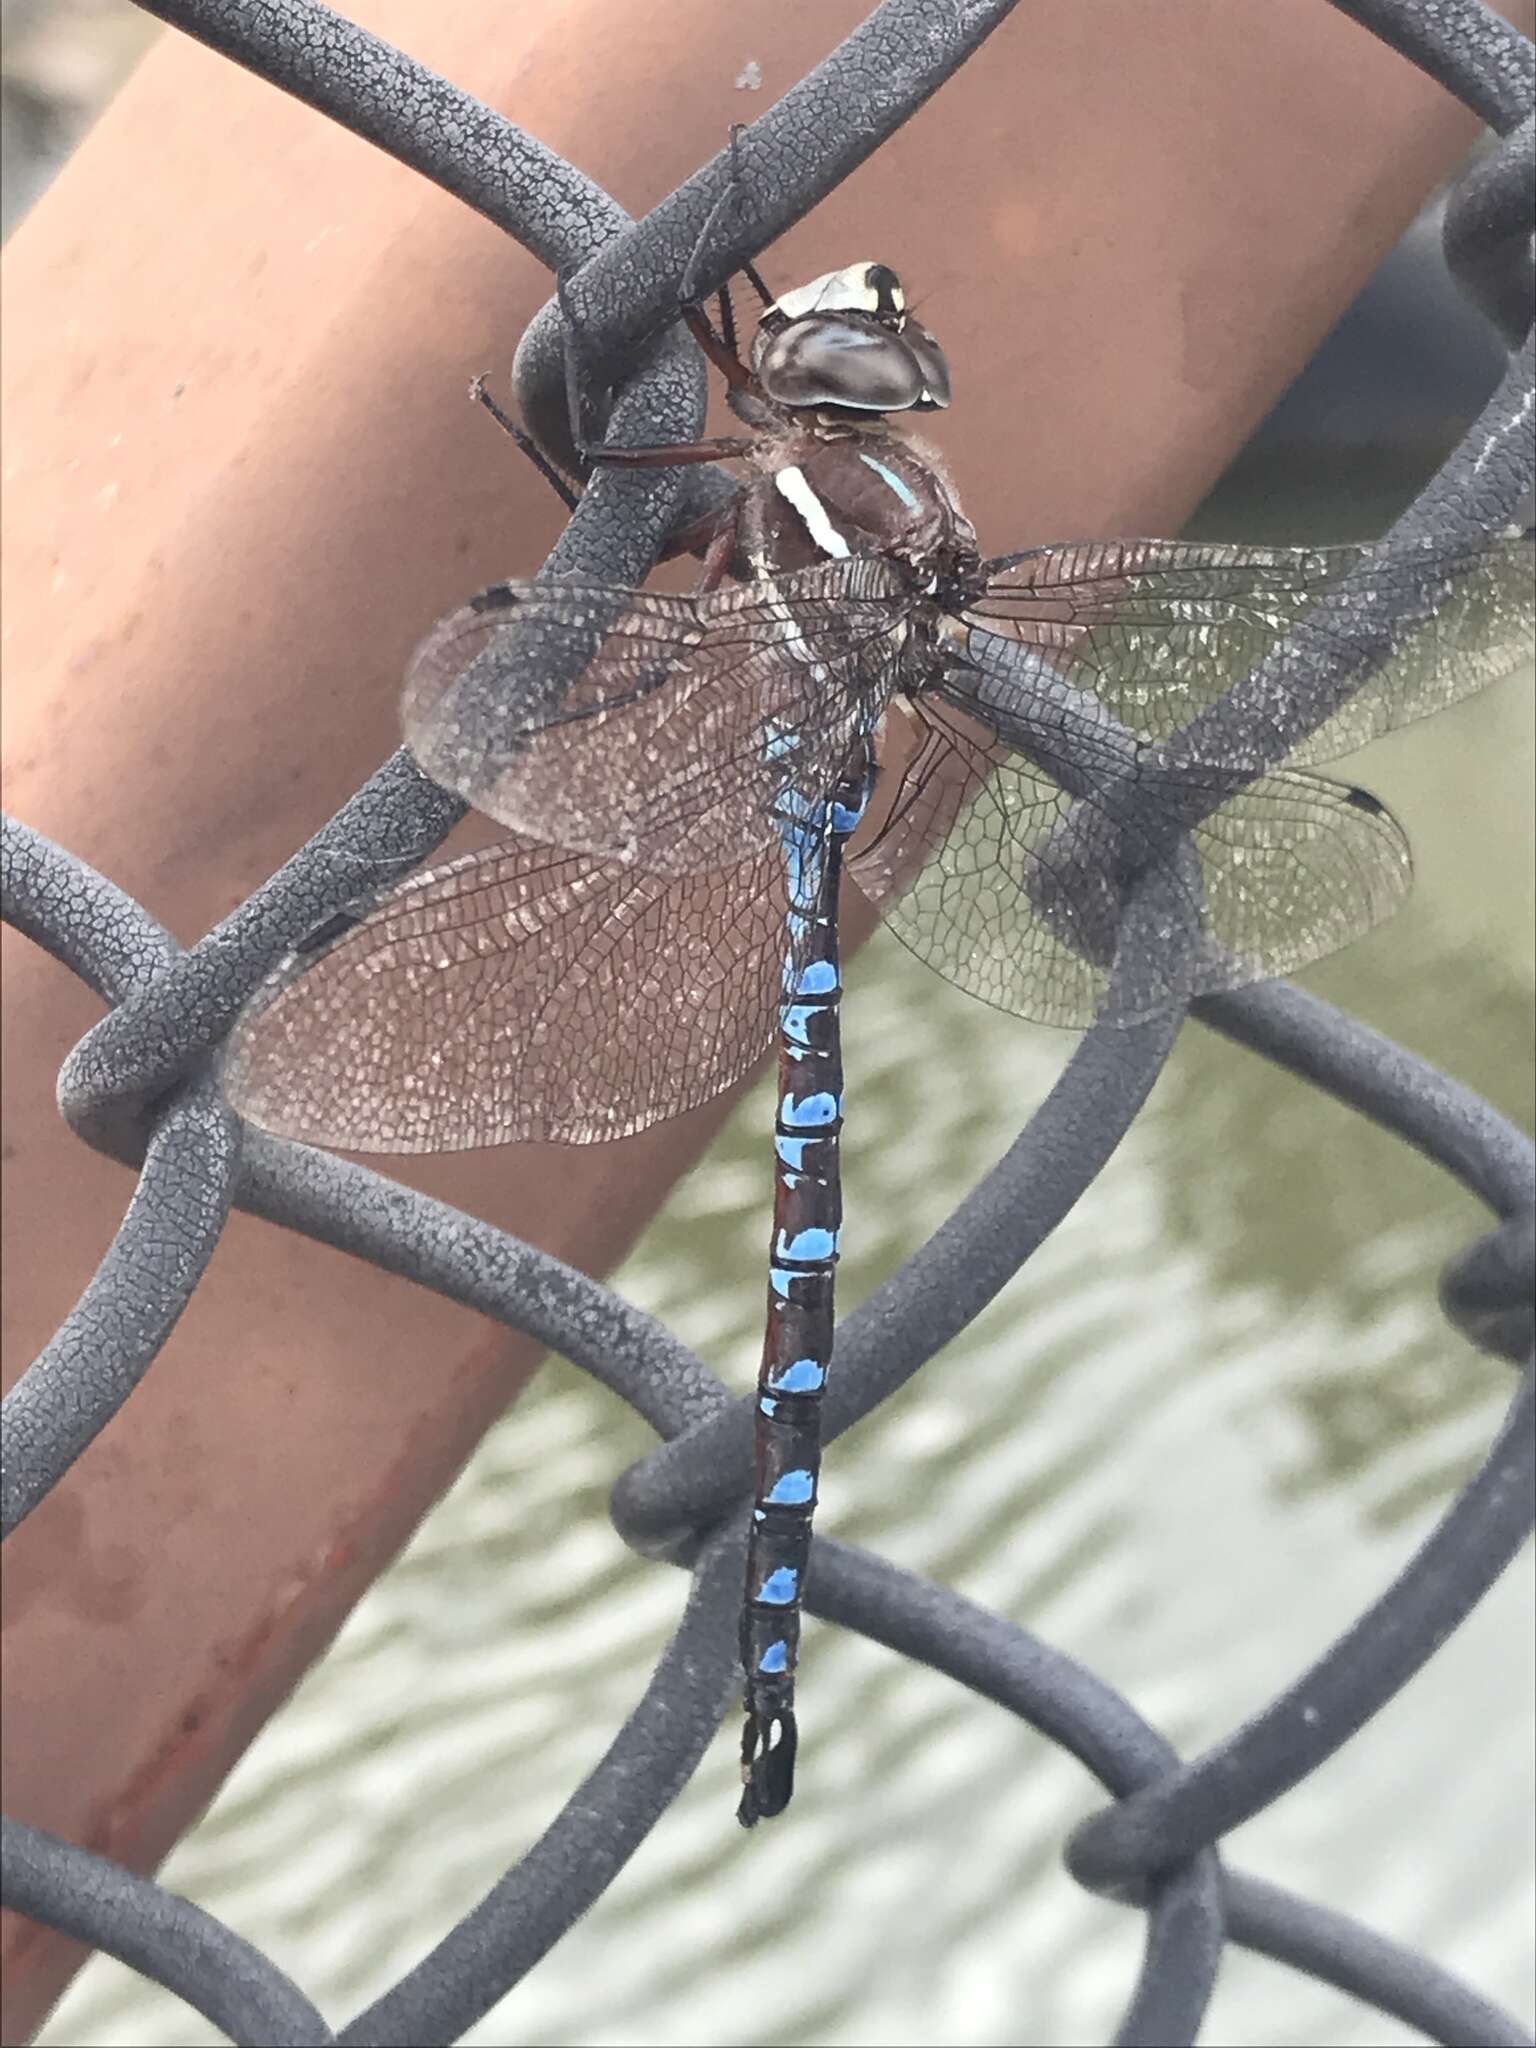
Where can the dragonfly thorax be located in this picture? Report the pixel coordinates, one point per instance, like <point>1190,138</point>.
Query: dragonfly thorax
<point>821,498</point>
<point>845,342</point>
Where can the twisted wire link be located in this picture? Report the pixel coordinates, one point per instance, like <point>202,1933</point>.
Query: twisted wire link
<point>137,1087</point>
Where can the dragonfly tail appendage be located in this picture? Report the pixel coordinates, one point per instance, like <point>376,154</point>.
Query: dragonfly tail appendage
<point>768,1743</point>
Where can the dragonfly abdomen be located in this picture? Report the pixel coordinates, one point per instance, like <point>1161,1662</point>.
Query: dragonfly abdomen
<point>797,1345</point>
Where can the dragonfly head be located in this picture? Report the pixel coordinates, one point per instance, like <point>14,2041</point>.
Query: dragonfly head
<point>846,341</point>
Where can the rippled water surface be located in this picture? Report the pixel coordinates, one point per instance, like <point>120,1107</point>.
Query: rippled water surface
<point>1187,1445</point>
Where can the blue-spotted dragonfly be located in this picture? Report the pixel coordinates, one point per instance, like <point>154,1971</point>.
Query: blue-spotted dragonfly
<point>687,778</point>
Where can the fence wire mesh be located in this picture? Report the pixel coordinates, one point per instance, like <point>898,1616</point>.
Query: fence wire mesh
<point>138,1088</point>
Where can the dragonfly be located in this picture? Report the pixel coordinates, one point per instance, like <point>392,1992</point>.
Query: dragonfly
<point>995,751</point>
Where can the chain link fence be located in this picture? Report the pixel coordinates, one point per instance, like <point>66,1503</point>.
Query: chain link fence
<point>137,1087</point>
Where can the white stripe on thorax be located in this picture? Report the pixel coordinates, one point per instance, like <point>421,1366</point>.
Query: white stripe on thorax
<point>791,485</point>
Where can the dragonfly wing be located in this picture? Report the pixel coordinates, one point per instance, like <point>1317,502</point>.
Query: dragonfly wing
<point>522,992</point>
<point>1012,885</point>
<point>1158,631</point>
<point>653,730</point>
<point>961,869</point>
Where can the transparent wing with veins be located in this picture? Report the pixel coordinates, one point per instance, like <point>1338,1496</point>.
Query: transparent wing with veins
<point>653,730</point>
<point>1075,733</point>
<point>522,992</point>
<point>620,960</point>
<point>1095,716</point>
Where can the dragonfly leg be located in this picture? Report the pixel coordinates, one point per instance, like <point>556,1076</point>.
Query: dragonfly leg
<point>575,389</point>
<point>749,272</point>
<point>716,561</point>
<point>730,197</point>
<point>722,347</point>
<point>664,455</point>
<point>727,313</point>
<point>525,442</point>
<point>670,454</point>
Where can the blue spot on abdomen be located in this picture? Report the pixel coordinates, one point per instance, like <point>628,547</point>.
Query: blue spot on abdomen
<point>817,978</point>
<point>810,1112</point>
<point>795,1022</point>
<point>780,1588</point>
<point>806,1247</point>
<point>790,1490</point>
<point>805,1376</point>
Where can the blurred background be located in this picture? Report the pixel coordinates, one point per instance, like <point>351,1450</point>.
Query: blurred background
<point>1239,1335</point>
